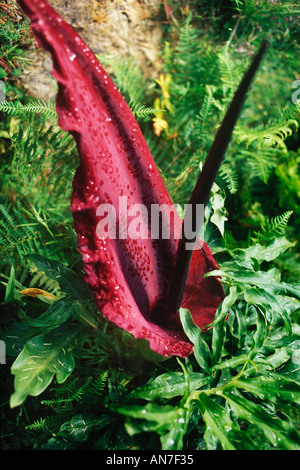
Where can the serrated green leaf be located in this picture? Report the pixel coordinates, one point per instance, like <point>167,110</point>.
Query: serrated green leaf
<point>232,362</point>
<point>218,424</point>
<point>42,358</point>
<point>237,324</point>
<point>226,305</point>
<point>268,280</point>
<point>280,357</point>
<point>218,340</point>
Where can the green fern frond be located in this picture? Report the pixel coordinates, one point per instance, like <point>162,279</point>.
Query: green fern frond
<point>261,162</point>
<point>230,72</point>
<point>188,46</point>
<point>128,76</point>
<point>205,112</point>
<point>49,423</point>
<point>36,425</point>
<point>228,174</point>
<point>16,240</point>
<point>272,228</point>
<point>273,134</point>
<point>142,111</point>
<point>86,395</point>
<point>35,106</point>
<point>67,401</point>
<point>42,281</point>
<point>96,388</point>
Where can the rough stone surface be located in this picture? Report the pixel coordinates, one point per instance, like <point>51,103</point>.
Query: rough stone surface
<point>130,28</point>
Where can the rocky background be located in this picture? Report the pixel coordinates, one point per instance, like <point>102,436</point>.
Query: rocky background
<point>120,27</point>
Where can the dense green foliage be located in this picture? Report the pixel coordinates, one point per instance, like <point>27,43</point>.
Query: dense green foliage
<point>73,380</point>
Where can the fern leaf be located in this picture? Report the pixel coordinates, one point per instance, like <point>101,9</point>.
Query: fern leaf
<point>96,389</point>
<point>15,239</point>
<point>187,46</point>
<point>41,280</point>
<point>230,177</point>
<point>17,109</point>
<point>272,228</point>
<point>273,134</point>
<point>204,114</point>
<point>49,423</point>
<point>67,402</point>
<point>142,111</point>
<point>86,395</point>
<point>229,71</point>
<point>129,77</point>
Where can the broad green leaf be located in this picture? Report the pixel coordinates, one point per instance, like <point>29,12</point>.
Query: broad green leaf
<point>258,253</point>
<point>258,296</point>
<point>237,324</point>
<point>154,417</point>
<point>219,215</point>
<point>279,432</point>
<point>169,385</point>
<point>272,387</point>
<point>218,340</point>
<point>260,333</point>
<point>170,422</point>
<point>66,278</point>
<point>173,440</point>
<point>80,426</point>
<point>58,443</point>
<point>219,326</point>
<point>193,332</point>
<point>14,339</point>
<point>57,313</point>
<point>221,431</point>
<point>42,358</point>
<point>268,280</point>
<point>226,305</point>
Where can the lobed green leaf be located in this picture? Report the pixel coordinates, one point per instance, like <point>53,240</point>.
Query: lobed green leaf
<point>169,385</point>
<point>279,432</point>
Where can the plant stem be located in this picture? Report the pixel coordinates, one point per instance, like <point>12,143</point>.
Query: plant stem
<point>201,192</point>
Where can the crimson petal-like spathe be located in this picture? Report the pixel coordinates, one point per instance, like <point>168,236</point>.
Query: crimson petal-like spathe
<point>128,277</point>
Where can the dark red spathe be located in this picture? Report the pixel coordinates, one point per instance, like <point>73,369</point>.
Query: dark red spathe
<point>127,277</point>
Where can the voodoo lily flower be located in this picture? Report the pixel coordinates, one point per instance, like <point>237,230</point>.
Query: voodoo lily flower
<point>140,281</point>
